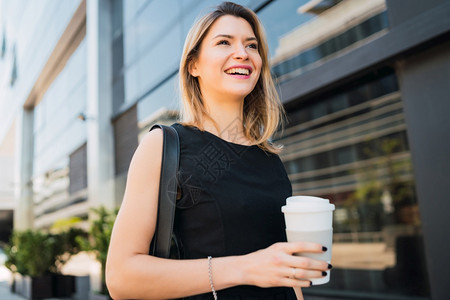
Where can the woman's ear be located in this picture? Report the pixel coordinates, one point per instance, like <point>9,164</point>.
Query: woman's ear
<point>193,68</point>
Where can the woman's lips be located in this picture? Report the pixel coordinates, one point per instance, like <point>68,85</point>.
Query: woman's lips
<point>239,71</point>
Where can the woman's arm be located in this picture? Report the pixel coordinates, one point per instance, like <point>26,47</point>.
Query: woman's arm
<point>133,274</point>
<point>130,272</point>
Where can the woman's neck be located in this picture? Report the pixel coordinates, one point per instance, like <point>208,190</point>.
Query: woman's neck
<point>228,121</point>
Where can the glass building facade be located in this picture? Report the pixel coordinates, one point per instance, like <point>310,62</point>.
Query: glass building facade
<point>351,146</point>
<point>346,137</point>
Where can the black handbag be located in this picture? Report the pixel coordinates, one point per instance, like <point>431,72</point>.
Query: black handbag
<point>164,243</point>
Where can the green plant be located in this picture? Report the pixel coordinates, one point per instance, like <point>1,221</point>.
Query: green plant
<point>66,233</point>
<point>66,245</point>
<point>30,252</point>
<point>63,225</point>
<point>99,235</point>
<point>36,253</point>
<point>10,252</point>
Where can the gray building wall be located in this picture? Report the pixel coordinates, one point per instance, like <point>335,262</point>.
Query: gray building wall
<point>416,45</point>
<point>424,80</point>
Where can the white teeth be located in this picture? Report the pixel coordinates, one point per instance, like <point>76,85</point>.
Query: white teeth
<point>240,71</point>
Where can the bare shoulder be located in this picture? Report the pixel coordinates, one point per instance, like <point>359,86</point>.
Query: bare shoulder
<point>141,191</point>
<point>138,210</point>
<point>145,166</point>
<point>149,150</point>
<point>152,140</point>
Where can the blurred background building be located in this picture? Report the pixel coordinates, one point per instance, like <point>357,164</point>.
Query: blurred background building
<point>365,84</point>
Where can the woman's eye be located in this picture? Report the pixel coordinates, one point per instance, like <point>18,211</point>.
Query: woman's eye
<point>253,46</point>
<point>224,42</point>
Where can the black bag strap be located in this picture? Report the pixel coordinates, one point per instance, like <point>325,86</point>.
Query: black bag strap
<point>162,238</point>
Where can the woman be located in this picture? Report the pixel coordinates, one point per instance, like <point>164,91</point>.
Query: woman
<point>232,182</point>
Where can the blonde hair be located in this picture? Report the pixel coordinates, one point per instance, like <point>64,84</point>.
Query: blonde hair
<point>263,112</point>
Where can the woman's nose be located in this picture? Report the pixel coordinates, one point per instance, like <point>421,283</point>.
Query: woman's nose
<point>240,52</point>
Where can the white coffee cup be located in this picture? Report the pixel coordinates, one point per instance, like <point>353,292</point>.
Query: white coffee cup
<point>310,219</point>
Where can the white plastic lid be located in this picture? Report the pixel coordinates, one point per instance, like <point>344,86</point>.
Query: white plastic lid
<point>300,204</point>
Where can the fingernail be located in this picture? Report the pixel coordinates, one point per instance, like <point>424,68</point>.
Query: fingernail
<point>330,267</point>
<point>324,248</point>
<point>310,283</point>
<point>324,273</point>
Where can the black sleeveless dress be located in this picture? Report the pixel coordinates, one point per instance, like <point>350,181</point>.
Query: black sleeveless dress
<point>231,204</point>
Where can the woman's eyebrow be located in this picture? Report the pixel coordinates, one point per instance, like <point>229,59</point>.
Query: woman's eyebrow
<point>252,38</point>
<point>223,36</point>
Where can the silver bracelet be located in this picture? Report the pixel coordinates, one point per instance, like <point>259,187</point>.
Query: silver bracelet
<point>210,278</point>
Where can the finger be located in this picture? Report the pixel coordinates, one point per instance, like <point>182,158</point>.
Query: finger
<point>304,274</point>
<point>306,263</point>
<point>292,282</point>
<point>295,247</point>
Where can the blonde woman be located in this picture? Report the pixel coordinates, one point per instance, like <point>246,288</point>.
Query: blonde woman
<point>233,184</point>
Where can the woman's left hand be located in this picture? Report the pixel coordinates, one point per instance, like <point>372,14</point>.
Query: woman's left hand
<point>277,265</point>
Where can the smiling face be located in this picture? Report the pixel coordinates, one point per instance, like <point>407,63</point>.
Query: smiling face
<point>228,65</point>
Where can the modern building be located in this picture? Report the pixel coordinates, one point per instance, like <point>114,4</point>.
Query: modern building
<point>7,203</point>
<point>364,84</point>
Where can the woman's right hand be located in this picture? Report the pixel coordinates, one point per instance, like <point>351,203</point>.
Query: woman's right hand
<point>278,266</point>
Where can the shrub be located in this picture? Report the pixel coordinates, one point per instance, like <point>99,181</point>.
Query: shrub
<point>99,236</point>
<point>35,253</point>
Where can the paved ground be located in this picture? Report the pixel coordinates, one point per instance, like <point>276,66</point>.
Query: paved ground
<point>5,294</point>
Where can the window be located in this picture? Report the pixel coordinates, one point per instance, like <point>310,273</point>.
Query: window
<point>351,147</point>
<point>333,45</point>
<point>13,77</point>
<point>78,170</point>
<point>126,139</point>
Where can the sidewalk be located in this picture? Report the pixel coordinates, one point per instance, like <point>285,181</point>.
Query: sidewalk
<point>5,294</point>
